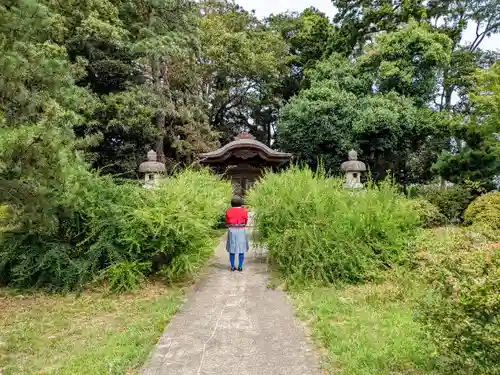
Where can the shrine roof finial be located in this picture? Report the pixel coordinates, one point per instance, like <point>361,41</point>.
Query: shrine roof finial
<point>243,135</point>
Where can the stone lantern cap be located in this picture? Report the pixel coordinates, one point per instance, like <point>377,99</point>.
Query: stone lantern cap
<point>353,164</point>
<point>152,165</point>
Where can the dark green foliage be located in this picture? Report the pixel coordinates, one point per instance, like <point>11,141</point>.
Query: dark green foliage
<point>317,230</point>
<point>477,163</point>
<point>106,67</point>
<point>429,213</point>
<point>374,103</point>
<point>308,36</point>
<point>125,120</point>
<point>316,126</point>
<point>462,310</point>
<point>325,121</point>
<point>242,64</point>
<point>451,201</point>
<point>358,20</point>
<point>428,51</point>
<point>476,155</point>
<point>110,64</point>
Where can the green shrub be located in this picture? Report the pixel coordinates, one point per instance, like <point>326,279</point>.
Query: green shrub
<point>4,216</point>
<point>462,311</point>
<point>98,223</point>
<point>484,210</point>
<point>429,213</point>
<point>485,231</point>
<point>317,230</point>
<point>451,201</point>
<point>126,276</point>
<point>4,212</point>
<point>185,265</point>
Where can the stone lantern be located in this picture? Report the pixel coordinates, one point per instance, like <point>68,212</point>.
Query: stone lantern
<point>151,169</point>
<point>353,169</point>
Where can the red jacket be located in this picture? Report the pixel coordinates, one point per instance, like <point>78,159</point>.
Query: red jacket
<point>236,216</point>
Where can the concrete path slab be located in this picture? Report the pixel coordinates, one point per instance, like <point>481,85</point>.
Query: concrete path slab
<point>233,324</point>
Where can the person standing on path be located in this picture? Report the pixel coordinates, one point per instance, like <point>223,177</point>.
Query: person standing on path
<point>237,239</point>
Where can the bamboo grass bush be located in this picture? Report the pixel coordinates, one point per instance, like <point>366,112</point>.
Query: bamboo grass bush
<point>318,231</point>
<point>99,229</point>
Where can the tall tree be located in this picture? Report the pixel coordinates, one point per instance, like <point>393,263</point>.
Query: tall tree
<point>375,103</point>
<point>476,151</point>
<point>453,17</point>
<point>166,35</point>
<point>308,36</point>
<point>141,61</point>
<point>40,104</point>
<point>240,59</point>
<point>37,79</point>
<point>305,40</point>
<point>359,21</point>
<point>408,61</point>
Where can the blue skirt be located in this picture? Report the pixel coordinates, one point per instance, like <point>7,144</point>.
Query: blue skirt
<point>237,241</point>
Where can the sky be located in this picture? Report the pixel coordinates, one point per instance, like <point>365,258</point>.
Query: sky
<point>266,7</point>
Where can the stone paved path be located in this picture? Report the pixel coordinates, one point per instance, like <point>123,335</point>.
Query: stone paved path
<point>233,324</point>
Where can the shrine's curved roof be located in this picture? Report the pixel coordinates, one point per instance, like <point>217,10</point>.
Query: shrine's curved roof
<point>244,148</point>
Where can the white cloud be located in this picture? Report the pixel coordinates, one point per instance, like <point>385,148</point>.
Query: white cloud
<point>266,7</point>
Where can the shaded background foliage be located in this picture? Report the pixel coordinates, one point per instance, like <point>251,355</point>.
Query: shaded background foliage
<point>184,77</point>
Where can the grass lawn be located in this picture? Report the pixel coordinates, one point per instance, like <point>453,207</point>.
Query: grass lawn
<point>366,330</point>
<point>94,334</point>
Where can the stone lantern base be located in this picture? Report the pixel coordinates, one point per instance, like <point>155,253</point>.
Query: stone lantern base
<point>353,185</point>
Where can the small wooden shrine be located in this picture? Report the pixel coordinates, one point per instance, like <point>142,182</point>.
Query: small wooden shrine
<point>243,161</point>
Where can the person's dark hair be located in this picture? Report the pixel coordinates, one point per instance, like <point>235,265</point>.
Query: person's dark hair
<point>236,201</point>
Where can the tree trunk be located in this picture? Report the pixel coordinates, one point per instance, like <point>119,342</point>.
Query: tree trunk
<point>448,94</point>
<point>160,116</point>
<point>160,141</point>
<point>269,134</point>
<point>154,61</point>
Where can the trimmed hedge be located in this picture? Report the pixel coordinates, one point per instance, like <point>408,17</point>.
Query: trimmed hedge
<point>484,210</point>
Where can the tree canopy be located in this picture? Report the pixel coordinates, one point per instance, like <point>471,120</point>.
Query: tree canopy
<point>394,80</point>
